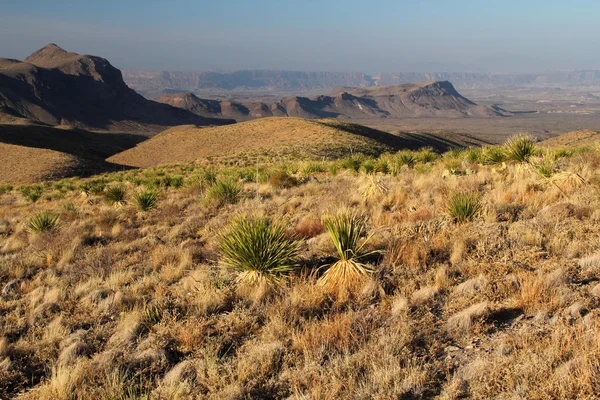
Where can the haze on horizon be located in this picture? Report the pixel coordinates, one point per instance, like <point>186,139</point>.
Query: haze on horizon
<point>312,35</point>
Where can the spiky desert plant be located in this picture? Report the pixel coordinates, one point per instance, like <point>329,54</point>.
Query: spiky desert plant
<point>426,155</point>
<point>474,155</point>
<point>259,250</point>
<point>43,221</point>
<point>226,191</point>
<point>115,195</point>
<point>146,200</point>
<point>346,230</point>
<point>464,206</point>
<point>520,148</point>
<point>405,157</point>
<point>31,193</point>
<point>493,155</point>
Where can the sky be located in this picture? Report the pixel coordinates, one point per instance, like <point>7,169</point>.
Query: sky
<point>312,35</point>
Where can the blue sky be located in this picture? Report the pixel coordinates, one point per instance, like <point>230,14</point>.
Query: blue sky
<point>326,35</point>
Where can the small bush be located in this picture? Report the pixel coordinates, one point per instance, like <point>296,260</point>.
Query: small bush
<point>474,155</point>
<point>224,192</point>
<point>493,155</point>
<point>369,166</point>
<point>259,250</point>
<point>383,165</point>
<point>346,230</point>
<point>426,155</point>
<point>31,193</point>
<point>405,158</point>
<point>146,200</point>
<point>352,163</point>
<point>313,168</point>
<point>42,222</point>
<point>281,179</point>
<point>520,148</point>
<point>115,195</point>
<point>463,207</point>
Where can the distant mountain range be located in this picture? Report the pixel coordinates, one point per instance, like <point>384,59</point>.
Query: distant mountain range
<point>157,83</point>
<point>420,99</point>
<point>55,87</point>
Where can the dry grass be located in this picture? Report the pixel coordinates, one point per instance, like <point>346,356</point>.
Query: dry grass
<point>118,303</point>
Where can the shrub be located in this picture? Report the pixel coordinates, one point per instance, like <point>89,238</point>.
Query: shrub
<point>520,148</point>
<point>493,155</point>
<point>31,193</point>
<point>463,207</point>
<point>405,158</point>
<point>346,230</point>
<point>43,221</point>
<point>115,195</point>
<point>544,167</point>
<point>352,163</point>
<point>369,166</point>
<point>259,250</point>
<point>282,179</point>
<point>224,192</point>
<point>426,155</point>
<point>383,165</point>
<point>474,155</point>
<point>146,200</point>
<point>313,167</point>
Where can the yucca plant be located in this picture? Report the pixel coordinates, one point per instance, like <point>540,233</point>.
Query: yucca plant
<point>520,148</point>
<point>352,163</point>
<point>426,155</point>
<point>346,230</point>
<point>474,155</point>
<point>259,250</point>
<point>43,221</point>
<point>406,158</point>
<point>146,200</point>
<point>493,155</point>
<point>115,195</point>
<point>224,192</point>
<point>463,207</point>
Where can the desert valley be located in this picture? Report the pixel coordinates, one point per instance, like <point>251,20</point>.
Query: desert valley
<point>264,234</point>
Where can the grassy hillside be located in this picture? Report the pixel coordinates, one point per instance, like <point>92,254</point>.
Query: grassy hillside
<point>273,138</point>
<point>584,137</point>
<point>481,279</point>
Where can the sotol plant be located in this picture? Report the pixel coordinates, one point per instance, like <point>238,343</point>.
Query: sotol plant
<point>520,148</point>
<point>146,200</point>
<point>115,195</point>
<point>463,207</point>
<point>224,192</point>
<point>346,230</point>
<point>259,250</point>
<point>43,221</point>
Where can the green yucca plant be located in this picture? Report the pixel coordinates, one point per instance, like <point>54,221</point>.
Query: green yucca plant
<point>493,155</point>
<point>463,207</point>
<point>544,167</point>
<point>520,148</point>
<point>259,250</point>
<point>32,193</point>
<point>369,167</point>
<point>146,200</point>
<point>474,155</point>
<point>352,163</point>
<point>43,221</point>
<point>406,157</point>
<point>224,192</point>
<point>426,155</point>
<point>115,195</point>
<point>346,230</point>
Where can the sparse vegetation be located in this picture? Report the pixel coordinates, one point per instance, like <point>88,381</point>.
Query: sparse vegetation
<point>43,221</point>
<point>259,250</point>
<point>116,303</point>
<point>146,200</point>
<point>520,148</point>
<point>346,231</point>
<point>464,206</point>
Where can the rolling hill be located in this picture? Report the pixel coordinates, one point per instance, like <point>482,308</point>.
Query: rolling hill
<point>56,87</point>
<point>420,99</point>
<point>279,137</point>
<point>583,137</point>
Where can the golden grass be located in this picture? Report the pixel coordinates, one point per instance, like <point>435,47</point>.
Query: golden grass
<point>118,303</point>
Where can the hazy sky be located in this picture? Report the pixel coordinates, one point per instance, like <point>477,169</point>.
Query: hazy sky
<point>316,35</point>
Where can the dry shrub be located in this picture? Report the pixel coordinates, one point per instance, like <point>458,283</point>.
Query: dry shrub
<point>544,292</point>
<point>309,227</point>
<point>461,322</point>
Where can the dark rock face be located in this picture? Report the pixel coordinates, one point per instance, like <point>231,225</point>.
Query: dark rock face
<point>53,86</point>
<point>422,99</point>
